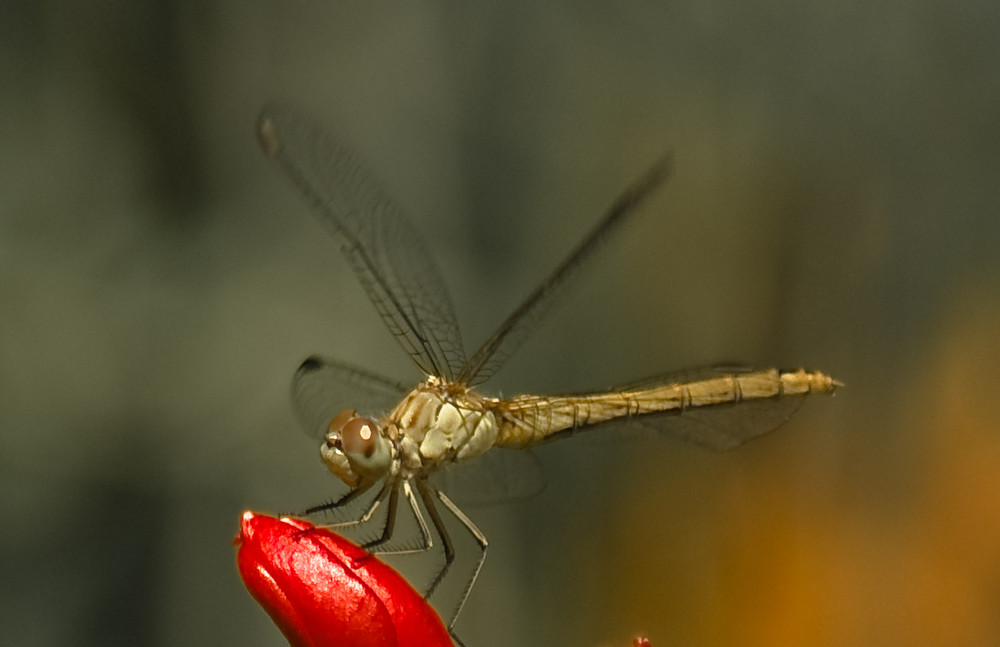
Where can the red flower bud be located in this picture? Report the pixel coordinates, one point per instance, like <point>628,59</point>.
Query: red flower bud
<point>323,591</point>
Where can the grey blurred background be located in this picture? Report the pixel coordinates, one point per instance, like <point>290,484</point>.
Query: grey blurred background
<point>834,206</point>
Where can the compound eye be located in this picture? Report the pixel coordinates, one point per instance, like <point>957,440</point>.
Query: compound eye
<point>340,420</point>
<point>359,436</point>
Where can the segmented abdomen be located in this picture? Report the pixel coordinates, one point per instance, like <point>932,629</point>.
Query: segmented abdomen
<point>529,419</point>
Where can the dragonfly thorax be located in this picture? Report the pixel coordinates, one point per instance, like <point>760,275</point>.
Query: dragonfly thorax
<point>441,422</point>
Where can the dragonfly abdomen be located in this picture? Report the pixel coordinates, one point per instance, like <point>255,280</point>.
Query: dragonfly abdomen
<point>531,419</point>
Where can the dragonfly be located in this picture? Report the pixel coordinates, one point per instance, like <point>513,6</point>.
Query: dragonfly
<point>393,438</point>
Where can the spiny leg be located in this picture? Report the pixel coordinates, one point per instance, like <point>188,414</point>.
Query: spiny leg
<point>391,488</point>
<point>369,512</point>
<point>483,545</point>
<point>339,503</point>
<point>425,533</point>
<point>426,490</point>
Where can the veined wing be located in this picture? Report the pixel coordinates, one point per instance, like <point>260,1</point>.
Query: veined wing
<point>719,412</point>
<point>512,332</point>
<point>380,244</point>
<point>322,388</point>
<point>498,476</point>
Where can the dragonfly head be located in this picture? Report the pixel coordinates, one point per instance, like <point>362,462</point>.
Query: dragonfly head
<point>355,449</point>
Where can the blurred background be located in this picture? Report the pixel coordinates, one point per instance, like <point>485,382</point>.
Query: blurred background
<point>834,206</point>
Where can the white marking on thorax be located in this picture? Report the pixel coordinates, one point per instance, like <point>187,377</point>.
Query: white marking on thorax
<point>433,429</point>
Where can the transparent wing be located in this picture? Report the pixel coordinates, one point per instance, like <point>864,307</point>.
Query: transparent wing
<point>512,332</point>
<point>322,388</point>
<point>724,426</point>
<point>498,476</point>
<point>719,427</point>
<point>685,375</point>
<point>380,244</point>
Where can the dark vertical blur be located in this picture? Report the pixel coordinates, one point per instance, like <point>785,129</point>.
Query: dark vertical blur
<point>834,207</point>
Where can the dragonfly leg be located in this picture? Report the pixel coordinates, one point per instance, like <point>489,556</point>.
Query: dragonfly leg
<point>425,533</point>
<point>415,507</point>
<point>427,494</point>
<point>339,503</point>
<point>426,491</point>
<point>390,488</point>
<point>369,512</point>
<point>483,545</point>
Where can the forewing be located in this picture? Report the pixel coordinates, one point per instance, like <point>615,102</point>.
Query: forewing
<point>322,388</point>
<point>522,322</point>
<point>382,247</point>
